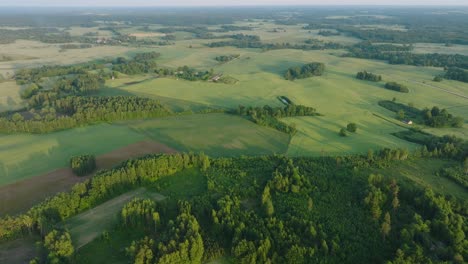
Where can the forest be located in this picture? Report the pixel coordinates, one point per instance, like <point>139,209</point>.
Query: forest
<point>391,220</point>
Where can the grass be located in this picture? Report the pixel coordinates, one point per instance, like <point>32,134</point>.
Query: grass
<point>10,96</point>
<point>214,134</point>
<point>423,173</point>
<point>337,94</point>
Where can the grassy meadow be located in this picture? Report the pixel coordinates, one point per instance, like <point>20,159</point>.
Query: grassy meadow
<point>24,156</point>
<point>338,95</point>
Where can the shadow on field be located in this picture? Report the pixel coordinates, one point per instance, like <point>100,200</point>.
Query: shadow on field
<point>280,67</point>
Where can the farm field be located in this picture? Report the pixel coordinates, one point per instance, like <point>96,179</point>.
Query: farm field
<point>215,134</point>
<point>21,195</point>
<point>337,95</point>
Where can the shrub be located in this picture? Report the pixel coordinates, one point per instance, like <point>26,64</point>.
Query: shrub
<point>343,132</point>
<point>82,165</point>
<point>351,127</point>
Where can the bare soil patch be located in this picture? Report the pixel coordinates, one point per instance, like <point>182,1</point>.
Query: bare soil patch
<point>20,196</point>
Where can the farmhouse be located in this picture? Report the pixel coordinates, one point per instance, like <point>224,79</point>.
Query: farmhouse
<point>408,122</point>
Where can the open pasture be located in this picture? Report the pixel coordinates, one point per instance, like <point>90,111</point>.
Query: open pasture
<point>337,94</point>
<point>213,134</point>
<point>23,156</point>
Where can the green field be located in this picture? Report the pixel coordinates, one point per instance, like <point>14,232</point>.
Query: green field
<point>214,134</point>
<point>24,156</point>
<point>337,95</point>
<point>423,172</point>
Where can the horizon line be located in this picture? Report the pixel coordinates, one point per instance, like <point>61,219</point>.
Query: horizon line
<point>245,5</point>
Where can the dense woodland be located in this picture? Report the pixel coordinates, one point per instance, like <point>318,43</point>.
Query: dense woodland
<point>458,74</point>
<point>401,54</point>
<point>266,209</point>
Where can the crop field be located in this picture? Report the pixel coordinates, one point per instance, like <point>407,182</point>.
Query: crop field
<point>213,134</point>
<point>21,195</point>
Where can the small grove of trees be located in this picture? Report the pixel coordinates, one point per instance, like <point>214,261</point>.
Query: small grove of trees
<point>56,248</point>
<point>454,73</point>
<point>83,165</point>
<point>226,58</point>
<point>140,213</point>
<point>269,116</point>
<point>305,71</point>
<point>343,132</point>
<point>396,87</point>
<point>364,75</point>
<point>436,117</point>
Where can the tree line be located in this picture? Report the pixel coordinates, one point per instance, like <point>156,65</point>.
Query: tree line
<point>73,111</point>
<point>269,116</point>
<point>396,54</point>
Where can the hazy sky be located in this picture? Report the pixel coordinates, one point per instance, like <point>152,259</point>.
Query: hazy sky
<point>224,2</point>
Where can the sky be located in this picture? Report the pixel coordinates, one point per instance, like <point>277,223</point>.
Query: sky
<point>113,3</point>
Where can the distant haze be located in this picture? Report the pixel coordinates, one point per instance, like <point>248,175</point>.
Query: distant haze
<point>135,3</point>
